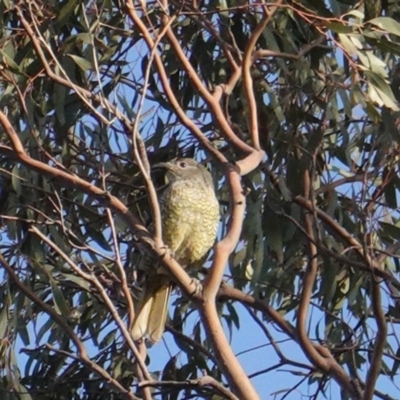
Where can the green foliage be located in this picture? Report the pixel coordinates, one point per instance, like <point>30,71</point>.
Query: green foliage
<point>326,88</point>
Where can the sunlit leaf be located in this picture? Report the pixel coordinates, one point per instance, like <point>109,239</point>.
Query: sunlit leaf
<point>386,23</point>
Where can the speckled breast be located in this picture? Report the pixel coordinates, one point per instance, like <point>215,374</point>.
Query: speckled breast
<point>190,216</point>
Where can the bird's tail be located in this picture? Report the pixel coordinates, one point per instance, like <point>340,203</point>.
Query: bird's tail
<point>152,310</point>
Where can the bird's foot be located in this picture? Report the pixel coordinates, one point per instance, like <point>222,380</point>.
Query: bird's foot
<point>167,252</point>
<point>198,287</point>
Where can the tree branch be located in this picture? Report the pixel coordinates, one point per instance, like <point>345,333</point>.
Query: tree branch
<point>211,101</point>
<point>246,73</point>
<point>332,366</point>
<point>379,342</point>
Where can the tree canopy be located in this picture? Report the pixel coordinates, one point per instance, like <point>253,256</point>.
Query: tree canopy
<point>293,107</point>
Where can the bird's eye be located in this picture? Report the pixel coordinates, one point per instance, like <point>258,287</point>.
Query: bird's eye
<point>182,164</point>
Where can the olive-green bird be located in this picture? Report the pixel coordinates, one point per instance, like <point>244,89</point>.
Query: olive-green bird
<point>190,216</point>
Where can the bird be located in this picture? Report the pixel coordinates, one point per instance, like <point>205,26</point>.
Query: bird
<point>189,219</point>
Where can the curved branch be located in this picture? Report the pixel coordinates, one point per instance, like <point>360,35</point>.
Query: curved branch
<point>332,366</point>
<point>246,73</point>
<point>379,343</point>
<point>307,287</point>
<point>212,102</point>
<point>227,361</point>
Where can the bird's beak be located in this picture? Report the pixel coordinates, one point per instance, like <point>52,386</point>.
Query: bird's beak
<point>162,165</point>
<point>166,167</point>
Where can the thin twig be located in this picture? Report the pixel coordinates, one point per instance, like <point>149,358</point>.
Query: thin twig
<point>333,368</point>
<point>137,142</point>
<point>94,281</point>
<point>61,321</point>
<point>195,383</point>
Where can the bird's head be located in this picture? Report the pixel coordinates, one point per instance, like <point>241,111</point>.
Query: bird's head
<point>180,169</point>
